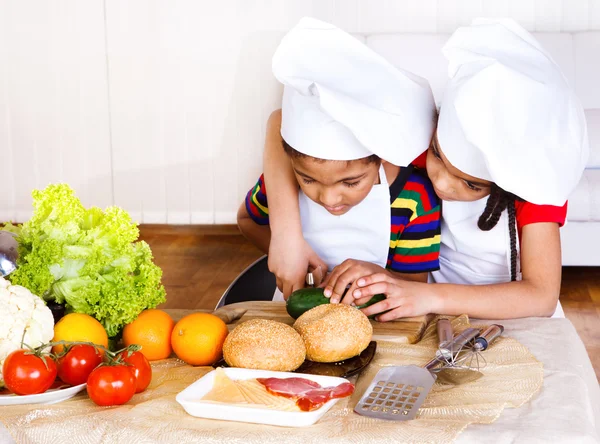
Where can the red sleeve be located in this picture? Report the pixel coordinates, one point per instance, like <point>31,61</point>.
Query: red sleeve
<point>421,161</point>
<point>528,213</point>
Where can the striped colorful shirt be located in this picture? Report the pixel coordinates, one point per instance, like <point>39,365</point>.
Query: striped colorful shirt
<point>415,223</point>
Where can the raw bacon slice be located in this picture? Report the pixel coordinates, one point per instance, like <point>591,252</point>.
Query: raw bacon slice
<point>314,399</point>
<point>308,394</point>
<point>288,387</point>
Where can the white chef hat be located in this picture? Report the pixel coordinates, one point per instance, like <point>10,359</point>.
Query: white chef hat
<point>508,114</point>
<point>343,101</point>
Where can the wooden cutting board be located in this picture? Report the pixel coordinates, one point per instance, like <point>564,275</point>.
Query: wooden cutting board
<point>406,330</point>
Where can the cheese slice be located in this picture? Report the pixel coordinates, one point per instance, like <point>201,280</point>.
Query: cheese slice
<point>224,390</point>
<point>256,393</point>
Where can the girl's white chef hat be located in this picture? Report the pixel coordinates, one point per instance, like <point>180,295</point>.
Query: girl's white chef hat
<point>343,101</point>
<point>508,114</point>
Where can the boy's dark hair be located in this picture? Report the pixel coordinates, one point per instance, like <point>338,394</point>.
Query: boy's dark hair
<point>373,158</point>
<point>497,202</point>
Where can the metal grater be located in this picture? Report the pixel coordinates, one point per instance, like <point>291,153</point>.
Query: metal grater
<point>389,397</point>
<point>396,393</point>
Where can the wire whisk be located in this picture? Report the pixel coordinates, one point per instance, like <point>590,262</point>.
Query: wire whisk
<point>468,355</point>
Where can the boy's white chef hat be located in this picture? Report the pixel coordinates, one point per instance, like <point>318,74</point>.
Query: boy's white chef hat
<point>343,101</point>
<point>508,114</point>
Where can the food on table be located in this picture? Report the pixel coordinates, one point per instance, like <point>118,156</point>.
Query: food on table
<point>79,327</point>
<point>152,330</point>
<point>334,332</point>
<point>23,319</point>
<point>302,300</point>
<point>264,344</point>
<point>224,389</point>
<point>141,369</point>
<point>287,394</point>
<point>307,394</point>
<point>76,365</point>
<point>87,259</point>
<point>247,392</point>
<point>111,384</point>
<point>197,339</point>
<point>26,373</point>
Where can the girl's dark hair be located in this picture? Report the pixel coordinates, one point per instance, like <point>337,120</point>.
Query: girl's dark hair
<point>297,154</point>
<point>498,201</point>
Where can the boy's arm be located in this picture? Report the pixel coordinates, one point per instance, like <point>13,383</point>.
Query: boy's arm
<point>253,216</point>
<point>259,235</point>
<point>414,277</point>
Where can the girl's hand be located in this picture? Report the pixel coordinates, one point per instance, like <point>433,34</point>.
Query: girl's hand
<point>290,258</point>
<point>347,273</point>
<point>404,298</point>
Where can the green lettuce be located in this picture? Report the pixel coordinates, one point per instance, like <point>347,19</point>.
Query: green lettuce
<point>88,259</point>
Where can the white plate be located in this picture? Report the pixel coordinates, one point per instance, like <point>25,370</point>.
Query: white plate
<point>190,399</point>
<point>51,396</point>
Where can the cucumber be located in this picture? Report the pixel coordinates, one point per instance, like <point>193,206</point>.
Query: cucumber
<point>304,299</point>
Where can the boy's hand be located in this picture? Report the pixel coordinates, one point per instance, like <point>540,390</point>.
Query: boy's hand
<point>404,298</point>
<point>290,258</point>
<point>347,273</point>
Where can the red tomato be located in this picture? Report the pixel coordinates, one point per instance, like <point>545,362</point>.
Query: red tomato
<point>141,368</point>
<point>75,367</point>
<point>111,384</point>
<point>27,374</point>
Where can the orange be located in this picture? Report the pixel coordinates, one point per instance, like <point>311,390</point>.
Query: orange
<point>152,330</point>
<point>79,327</point>
<point>198,338</point>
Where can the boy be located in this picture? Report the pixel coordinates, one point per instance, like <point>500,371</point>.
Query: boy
<point>348,119</point>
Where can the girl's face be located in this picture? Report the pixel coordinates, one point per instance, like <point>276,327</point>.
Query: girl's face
<point>335,185</point>
<point>450,183</point>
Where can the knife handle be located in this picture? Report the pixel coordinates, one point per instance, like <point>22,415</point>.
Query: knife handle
<point>310,279</point>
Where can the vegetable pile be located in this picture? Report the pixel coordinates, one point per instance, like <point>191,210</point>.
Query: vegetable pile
<point>23,318</point>
<point>87,259</point>
<point>112,377</point>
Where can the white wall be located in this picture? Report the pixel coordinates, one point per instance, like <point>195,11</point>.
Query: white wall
<point>159,106</point>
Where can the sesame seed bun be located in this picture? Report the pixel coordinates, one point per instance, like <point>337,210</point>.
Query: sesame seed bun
<point>265,345</point>
<point>334,332</point>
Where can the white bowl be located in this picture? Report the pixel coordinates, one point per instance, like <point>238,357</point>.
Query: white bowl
<point>190,399</point>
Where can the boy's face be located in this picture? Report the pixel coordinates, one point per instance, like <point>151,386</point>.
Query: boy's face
<point>450,183</point>
<point>337,185</point>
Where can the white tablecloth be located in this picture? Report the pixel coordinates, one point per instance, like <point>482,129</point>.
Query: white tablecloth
<point>567,410</point>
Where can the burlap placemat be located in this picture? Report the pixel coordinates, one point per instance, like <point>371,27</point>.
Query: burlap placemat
<point>511,377</point>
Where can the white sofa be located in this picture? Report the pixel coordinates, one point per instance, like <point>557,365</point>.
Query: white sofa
<point>578,54</point>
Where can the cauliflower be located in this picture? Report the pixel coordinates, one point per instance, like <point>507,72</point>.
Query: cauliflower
<point>22,311</point>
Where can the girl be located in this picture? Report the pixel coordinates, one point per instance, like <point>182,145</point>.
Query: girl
<point>511,140</point>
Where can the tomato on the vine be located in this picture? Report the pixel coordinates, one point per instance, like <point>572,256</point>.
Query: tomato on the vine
<point>77,364</point>
<point>111,384</point>
<point>140,366</point>
<point>28,373</point>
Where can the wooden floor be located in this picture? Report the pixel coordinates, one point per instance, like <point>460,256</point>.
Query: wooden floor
<point>200,262</point>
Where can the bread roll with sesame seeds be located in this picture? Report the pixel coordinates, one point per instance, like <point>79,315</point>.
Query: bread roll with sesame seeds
<point>265,345</point>
<point>334,332</point>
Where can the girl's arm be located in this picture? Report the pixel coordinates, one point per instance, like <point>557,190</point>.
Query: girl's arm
<point>535,295</point>
<point>290,256</point>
